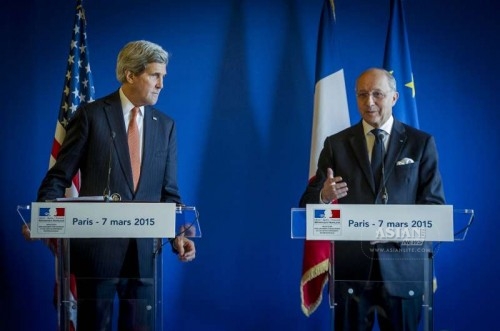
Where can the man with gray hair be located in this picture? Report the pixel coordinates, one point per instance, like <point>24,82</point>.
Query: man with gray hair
<point>379,160</point>
<point>125,149</point>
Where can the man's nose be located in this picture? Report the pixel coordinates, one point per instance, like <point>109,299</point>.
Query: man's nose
<point>370,100</point>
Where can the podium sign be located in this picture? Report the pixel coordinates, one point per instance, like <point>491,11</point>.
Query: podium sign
<point>102,220</point>
<point>399,223</point>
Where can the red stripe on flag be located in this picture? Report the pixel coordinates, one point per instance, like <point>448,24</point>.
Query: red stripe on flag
<point>55,149</point>
<point>76,181</point>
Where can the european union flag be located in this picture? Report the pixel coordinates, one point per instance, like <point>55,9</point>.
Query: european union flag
<point>397,61</point>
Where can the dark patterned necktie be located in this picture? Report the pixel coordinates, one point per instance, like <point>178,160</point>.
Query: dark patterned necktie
<point>377,157</point>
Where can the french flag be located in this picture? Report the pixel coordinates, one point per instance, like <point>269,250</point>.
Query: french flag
<point>331,115</point>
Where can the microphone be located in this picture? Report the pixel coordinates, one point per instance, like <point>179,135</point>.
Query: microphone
<point>107,190</point>
<point>385,195</point>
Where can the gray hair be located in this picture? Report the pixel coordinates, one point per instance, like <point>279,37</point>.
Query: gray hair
<point>390,78</point>
<point>135,55</point>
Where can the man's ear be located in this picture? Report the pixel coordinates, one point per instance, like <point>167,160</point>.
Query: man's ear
<point>395,98</point>
<point>129,75</point>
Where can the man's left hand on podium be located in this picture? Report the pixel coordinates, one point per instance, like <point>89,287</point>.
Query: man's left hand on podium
<point>185,248</point>
<point>26,232</point>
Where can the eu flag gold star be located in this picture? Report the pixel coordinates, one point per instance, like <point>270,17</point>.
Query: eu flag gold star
<point>411,85</point>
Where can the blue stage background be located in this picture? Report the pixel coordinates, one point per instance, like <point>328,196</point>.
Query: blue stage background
<point>240,87</point>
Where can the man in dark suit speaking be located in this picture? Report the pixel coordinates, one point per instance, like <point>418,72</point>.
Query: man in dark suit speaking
<point>407,173</point>
<point>124,133</point>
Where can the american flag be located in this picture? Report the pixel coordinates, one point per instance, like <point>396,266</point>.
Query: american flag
<point>78,89</point>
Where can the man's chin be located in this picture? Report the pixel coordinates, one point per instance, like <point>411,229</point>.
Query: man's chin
<point>372,119</point>
<point>153,100</point>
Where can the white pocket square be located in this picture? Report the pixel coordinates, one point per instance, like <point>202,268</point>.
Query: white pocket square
<point>404,161</point>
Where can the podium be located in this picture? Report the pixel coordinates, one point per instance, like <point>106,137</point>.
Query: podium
<point>66,227</point>
<point>402,238</point>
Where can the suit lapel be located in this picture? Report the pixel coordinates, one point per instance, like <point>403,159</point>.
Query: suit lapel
<point>149,134</point>
<point>396,143</point>
<point>114,115</point>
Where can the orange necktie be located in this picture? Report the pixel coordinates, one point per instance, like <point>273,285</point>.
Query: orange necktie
<point>134,146</point>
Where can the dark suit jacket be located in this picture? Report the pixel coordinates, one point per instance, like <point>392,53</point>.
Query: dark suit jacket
<point>97,131</point>
<point>415,183</point>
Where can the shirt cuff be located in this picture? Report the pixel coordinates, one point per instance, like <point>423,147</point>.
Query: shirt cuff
<point>321,199</point>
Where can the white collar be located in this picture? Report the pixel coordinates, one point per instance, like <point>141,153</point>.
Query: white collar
<point>387,126</point>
